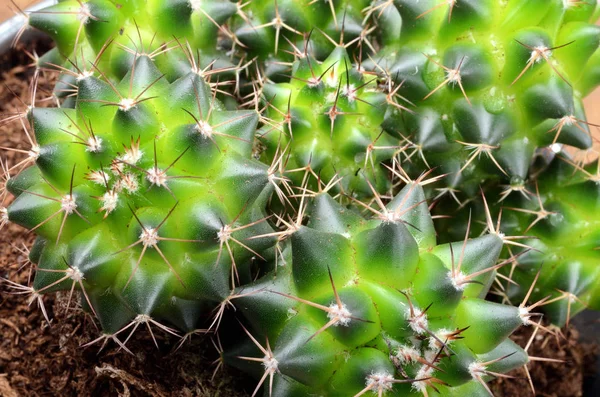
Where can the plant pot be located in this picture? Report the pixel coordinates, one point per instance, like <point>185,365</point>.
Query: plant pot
<point>10,28</point>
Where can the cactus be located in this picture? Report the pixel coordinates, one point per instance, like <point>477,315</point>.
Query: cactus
<point>121,32</point>
<point>142,192</point>
<point>556,218</point>
<point>327,121</point>
<point>376,306</point>
<point>492,82</point>
<point>150,192</point>
<point>273,30</point>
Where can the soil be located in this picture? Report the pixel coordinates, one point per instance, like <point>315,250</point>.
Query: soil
<point>41,359</point>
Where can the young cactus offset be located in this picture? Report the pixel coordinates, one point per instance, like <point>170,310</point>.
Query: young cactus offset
<point>375,306</point>
<point>492,82</point>
<point>143,194</point>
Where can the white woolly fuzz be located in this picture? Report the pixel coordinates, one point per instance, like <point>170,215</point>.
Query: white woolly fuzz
<point>149,237</point>
<point>84,13</point>
<point>458,280</point>
<point>195,4</point>
<point>380,381</point>
<point>539,53</point>
<point>270,363</point>
<point>476,369</point>
<point>453,76</point>
<point>68,204</point>
<point>204,128</point>
<point>74,274</point>
<point>98,177</point>
<point>424,373</point>
<point>224,234</point>
<point>126,103</point>
<point>525,315</point>
<point>341,313</point>
<point>156,176</point>
<point>110,200</point>
<point>34,152</point>
<point>407,354</point>
<point>94,144</point>
<point>142,318</point>
<point>418,322</point>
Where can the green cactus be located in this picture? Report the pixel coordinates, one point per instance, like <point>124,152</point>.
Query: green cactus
<point>376,306</point>
<point>326,121</point>
<point>274,30</point>
<point>163,30</point>
<point>143,197</point>
<point>150,192</point>
<point>492,82</point>
<point>557,218</point>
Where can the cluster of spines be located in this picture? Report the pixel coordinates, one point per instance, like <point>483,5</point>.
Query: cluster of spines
<point>379,307</point>
<point>170,55</point>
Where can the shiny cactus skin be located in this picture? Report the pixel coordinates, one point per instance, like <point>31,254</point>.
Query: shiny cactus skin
<point>492,82</point>
<point>376,306</point>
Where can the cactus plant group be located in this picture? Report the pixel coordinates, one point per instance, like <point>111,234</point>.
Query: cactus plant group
<point>358,179</point>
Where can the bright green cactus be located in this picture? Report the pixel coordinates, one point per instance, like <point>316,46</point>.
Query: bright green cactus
<point>274,30</point>
<point>492,82</point>
<point>376,306</point>
<point>143,197</point>
<point>147,195</point>
<point>163,30</point>
<point>327,120</point>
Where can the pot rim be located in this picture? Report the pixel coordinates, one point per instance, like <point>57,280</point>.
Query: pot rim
<point>10,27</point>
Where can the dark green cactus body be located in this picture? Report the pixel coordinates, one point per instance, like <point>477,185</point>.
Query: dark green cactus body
<point>565,237</point>
<point>558,218</point>
<point>492,81</point>
<point>364,305</point>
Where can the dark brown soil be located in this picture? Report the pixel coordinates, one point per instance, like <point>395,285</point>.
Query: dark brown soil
<point>551,379</point>
<point>38,359</point>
